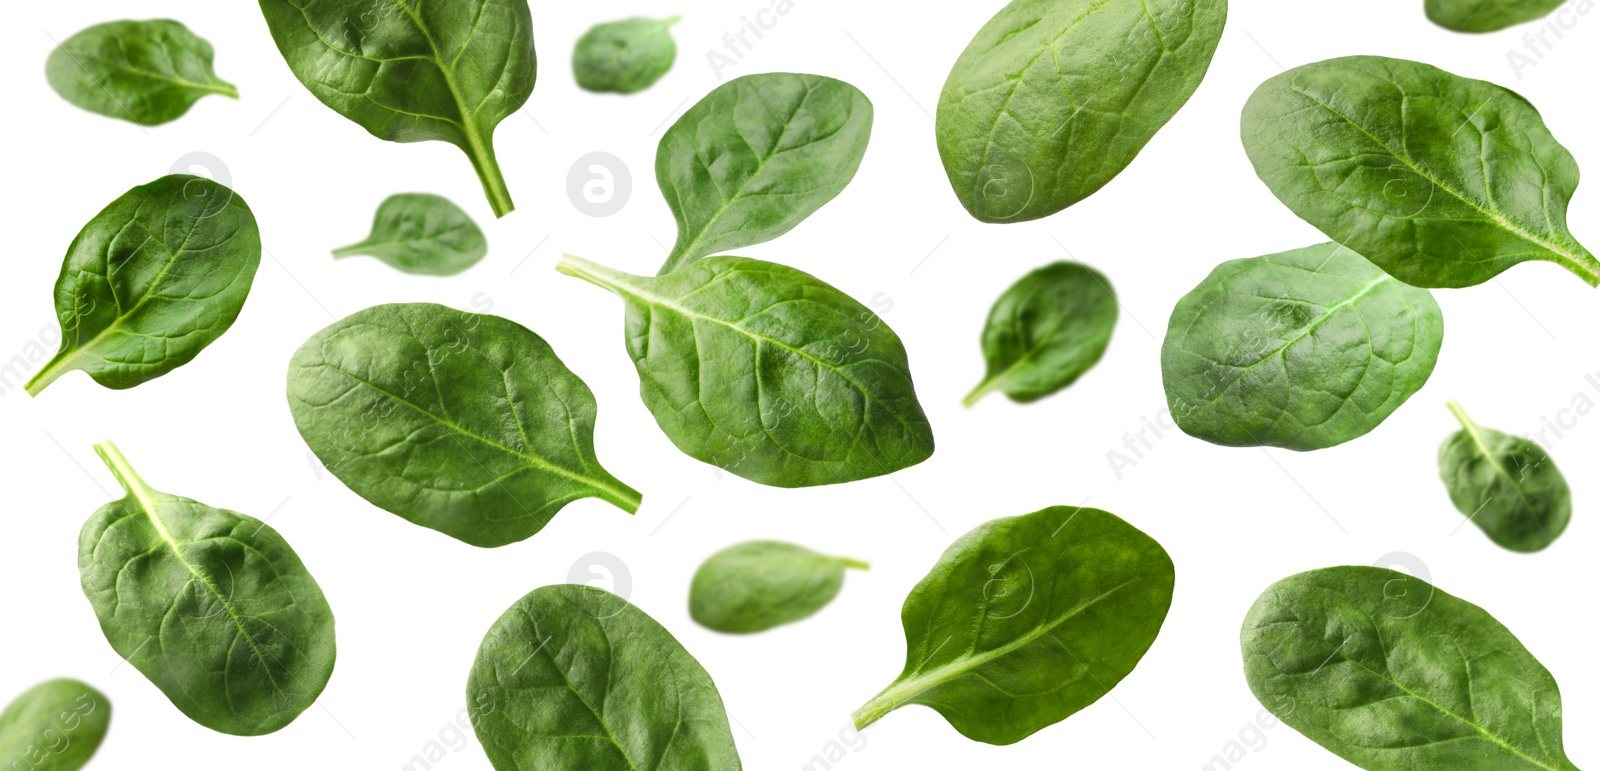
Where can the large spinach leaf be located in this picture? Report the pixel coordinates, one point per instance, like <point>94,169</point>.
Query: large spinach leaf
<point>54,726</point>
<point>1026,620</point>
<point>1046,331</point>
<point>768,372</point>
<point>625,56</point>
<point>1505,485</point>
<point>1393,674</point>
<point>147,72</point>
<point>575,677</point>
<point>410,71</point>
<point>1054,98</point>
<point>213,606</point>
<point>1304,350</point>
<point>758,585</point>
<point>152,280</point>
<point>1487,15</point>
<point>757,156</point>
<point>1441,180</point>
<point>465,423</point>
<point>424,234</point>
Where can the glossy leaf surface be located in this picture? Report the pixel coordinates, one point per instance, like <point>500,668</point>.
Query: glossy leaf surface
<point>1046,331</point>
<point>54,726</point>
<point>625,56</point>
<point>1504,484</point>
<point>1487,15</point>
<point>758,585</point>
<point>147,72</point>
<point>423,234</point>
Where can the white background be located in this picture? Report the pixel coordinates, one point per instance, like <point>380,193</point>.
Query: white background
<point>412,604</point>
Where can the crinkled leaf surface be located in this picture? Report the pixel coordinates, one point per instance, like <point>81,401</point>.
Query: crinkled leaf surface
<point>1504,484</point>
<point>147,72</point>
<point>423,234</point>
<point>758,585</point>
<point>1046,331</point>
<point>625,56</point>
<point>54,726</point>
<point>1487,15</point>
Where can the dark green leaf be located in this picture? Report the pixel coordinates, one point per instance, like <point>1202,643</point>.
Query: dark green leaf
<point>757,156</point>
<point>1304,350</point>
<point>410,71</point>
<point>147,72</point>
<point>152,280</point>
<point>1392,674</point>
<point>465,423</point>
<point>423,234</point>
<point>758,585</point>
<point>1026,620</point>
<point>625,56</point>
<point>54,726</point>
<point>1046,331</point>
<point>767,372</point>
<point>213,606</point>
<point>1440,180</point>
<point>573,677</point>
<point>1505,484</point>
<point>1487,15</point>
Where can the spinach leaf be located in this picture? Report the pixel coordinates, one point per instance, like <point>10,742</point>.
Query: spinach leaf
<point>1392,674</point>
<point>1303,350</point>
<point>1046,331</point>
<point>758,585</point>
<point>1026,620</point>
<point>1054,98</point>
<point>768,372</point>
<point>213,606</point>
<point>147,72</point>
<point>465,423</point>
<point>1505,484</point>
<point>1487,15</point>
<point>413,71</point>
<point>625,56</point>
<point>757,156</point>
<point>54,726</point>
<point>1440,180</point>
<point>575,677</point>
<point>152,280</point>
<point>423,234</point>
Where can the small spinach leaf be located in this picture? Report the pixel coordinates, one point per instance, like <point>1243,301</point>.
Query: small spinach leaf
<point>152,280</point>
<point>147,72</point>
<point>212,606</point>
<point>1046,331</point>
<point>1054,98</point>
<point>1504,484</point>
<point>464,423</point>
<point>625,56</point>
<point>758,585</point>
<point>413,71</point>
<point>757,156</point>
<point>1303,350</point>
<point>423,234</point>
<point>54,726</point>
<point>1487,15</point>
<point>1440,180</point>
<point>768,372</point>
<point>1027,620</point>
<point>1392,674</point>
<point>575,677</point>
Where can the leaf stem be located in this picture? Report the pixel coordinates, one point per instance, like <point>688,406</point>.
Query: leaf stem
<point>981,391</point>
<point>349,251</point>
<point>594,273</point>
<point>885,702</point>
<point>857,564</point>
<point>59,365</point>
<point>494,184</point>
<point>1461,417</point>
<point>133,484</point>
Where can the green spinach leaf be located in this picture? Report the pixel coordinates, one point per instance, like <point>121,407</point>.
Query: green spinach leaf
<point>147,72</point>
<point>1303,350</point>
<point>464,423</point>
<point>423,234</point>
<point>1026,620</point>
<point>54,726</point>
<point>1504,484</point>
<point>1054,98</point>
<point>1046,331</point>
<point>152,280</point>
<point>758,585</point>
<point>1487,15</point>
<point>1392,674</point>
<point>757,156</point>
<point>575,677</point>
<point>625,56</point>
<point>768,372</point>
<point>411,71</point>
<point>1441,180</point>
<point>212,606</point>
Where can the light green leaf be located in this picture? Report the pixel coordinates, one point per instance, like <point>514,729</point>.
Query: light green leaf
<point>1488,15</point>
<point>625,56</point>
<point>1504,484</point>
<point>147,72</point>
<point>1046,331</point>
<point>422,234</point>
<point>758,585</point>
<point>54,726</point>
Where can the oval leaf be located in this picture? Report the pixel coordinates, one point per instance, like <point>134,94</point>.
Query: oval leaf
<point>625,56</point>
<point>54,726</point>
<point>1487,15</point>
<point>755,586</point>
<point>465,423</point>
<point>1505,485</point>
<point>575,677</point>
<point>212,606</point>
<point>423,234</point>
<point>1393,674</point>
<point>757,156</point>
<point>147,72</point>
<point>1026,620</point>
<point>1046,331</point>
<point>1303,350</point>
<point>1440,180</point>
<point>413,71</point>
<point>767,372</point>
<point>152,280</point>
